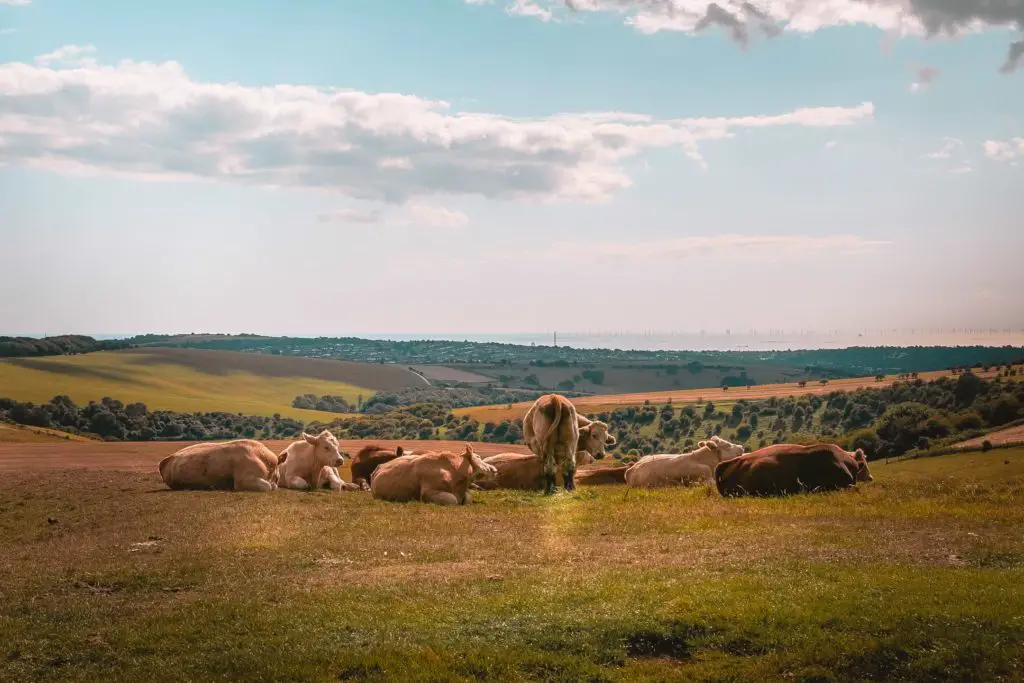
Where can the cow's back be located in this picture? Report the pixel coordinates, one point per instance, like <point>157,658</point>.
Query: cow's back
<point>214,465</point>
<point>597,476</point>
<point>784,469</point>
<point>520,471</point>
<point>396,480</point>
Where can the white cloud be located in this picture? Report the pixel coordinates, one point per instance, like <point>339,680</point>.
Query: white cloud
<point>999,150</point>
<point>151,121</point>
<point>731,246</point>
<point>960,170</point>
<point>741,18</point>
<point>69,55</point>
<point>8,31</point>
<point>831,144</point>
<point>529,8</point>
<point>16,3</point>
<point>434,216</point>
<point>923,77</point>
<point>949,146</point>
<point>415,214</point>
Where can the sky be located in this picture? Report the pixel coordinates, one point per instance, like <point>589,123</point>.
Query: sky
<point>370,166</point>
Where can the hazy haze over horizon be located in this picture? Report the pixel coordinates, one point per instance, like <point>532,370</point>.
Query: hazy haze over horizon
<point>512,165</point>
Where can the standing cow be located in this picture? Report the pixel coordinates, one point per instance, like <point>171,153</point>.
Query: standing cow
<point>551,430</point>
<point>788,468</point>
<point>313,463</point>
<point>242,465</point>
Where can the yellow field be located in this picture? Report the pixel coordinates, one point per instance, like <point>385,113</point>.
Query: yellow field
<point>23,434</point>
<point>163,384</point>
<point>609,402</point>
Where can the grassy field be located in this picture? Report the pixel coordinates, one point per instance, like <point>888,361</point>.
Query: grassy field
<point>914,577</point>
<point>608,402</point>
<point>190,380</point>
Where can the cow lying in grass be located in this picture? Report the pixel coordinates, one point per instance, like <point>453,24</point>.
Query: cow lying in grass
<point>788,468</point>
<point>521,471</point>
<point>369,458</point>
<point>441,477</point>
<point>242,465</point>
<point>599,476</point>
<point>666,469</point>
<point>593,437</point>
<point>313,464</point>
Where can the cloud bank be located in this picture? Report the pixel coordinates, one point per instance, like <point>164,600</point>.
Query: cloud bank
<point>67,112</point>
<point>742,19</point>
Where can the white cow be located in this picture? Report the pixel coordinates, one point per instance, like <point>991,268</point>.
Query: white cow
<point>667,469</point>
<point>312,463</point>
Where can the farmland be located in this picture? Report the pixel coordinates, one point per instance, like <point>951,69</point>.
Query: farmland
<point>198,380</point>
<point>109,576</point>
<point>605,402</point>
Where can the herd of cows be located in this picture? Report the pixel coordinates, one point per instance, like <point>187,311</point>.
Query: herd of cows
<point>559,440</point>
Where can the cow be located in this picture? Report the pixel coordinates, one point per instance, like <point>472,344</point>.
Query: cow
<point>788,468</point>
<point>669,469</point>
<point>522,471</point>
<point>369,458</point>
<point>312,463</point>
<point>551,430</point>
<point>593,437</point>
<point>242,465</point>
<point>439,477</point>
<point>597,476</point>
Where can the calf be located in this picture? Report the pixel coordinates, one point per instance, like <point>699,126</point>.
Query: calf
<point>667,469</point>
<point>442,478</point>
<point>242,465</point>
<point>788,468</point>
<point>313,463</point>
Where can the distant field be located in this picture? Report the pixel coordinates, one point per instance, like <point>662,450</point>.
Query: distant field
<point>20,434</point>
<point>442,373</point>
<point>1013,435</point>
<point>108,576</point>
<point>191,380</point>
<point>596,404</point>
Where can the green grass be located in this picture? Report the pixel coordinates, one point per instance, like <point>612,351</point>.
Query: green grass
<point>915,577</point>
<point>164,382</point>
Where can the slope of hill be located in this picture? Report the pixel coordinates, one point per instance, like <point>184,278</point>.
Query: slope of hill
<point>20,434</point>
<point>191,380</point>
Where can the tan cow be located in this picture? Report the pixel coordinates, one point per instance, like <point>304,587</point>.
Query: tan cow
<point>666,469</point>
<point>440,477</point>
<point>242,465</point>
<point>551,430</point>
<point>522,471</point>
<point>594,436</point>
<point>313,463</point>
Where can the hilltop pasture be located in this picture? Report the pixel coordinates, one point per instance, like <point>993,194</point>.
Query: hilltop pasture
<point>190,380</point>
<point>109,576</point>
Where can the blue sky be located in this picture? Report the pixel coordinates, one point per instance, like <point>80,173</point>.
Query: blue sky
<point>452,166</point>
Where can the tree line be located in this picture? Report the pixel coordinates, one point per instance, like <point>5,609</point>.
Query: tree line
<point>68,344</point>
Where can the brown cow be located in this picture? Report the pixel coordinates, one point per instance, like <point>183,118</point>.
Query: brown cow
<point>597,476</point>
<point>522,471</point>
<point>242,465</point>
<point>440,477</point>
<point>551,430</point>
<point>369,458</point>
<point>787,468</point>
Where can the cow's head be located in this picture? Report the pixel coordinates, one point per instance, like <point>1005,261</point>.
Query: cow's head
<point>480,469</point>
<point>325,449</point>
<point>725,450</point>
<point>593,439</point>
<point>861,473</point>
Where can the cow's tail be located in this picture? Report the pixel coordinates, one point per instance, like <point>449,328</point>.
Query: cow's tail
<point>553,413</point>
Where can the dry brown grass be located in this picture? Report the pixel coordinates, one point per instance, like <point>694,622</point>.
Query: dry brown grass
<point>1013,435</point>
<point>24,434</point>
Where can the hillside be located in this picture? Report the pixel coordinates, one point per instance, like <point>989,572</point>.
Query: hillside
<point>191,380</point>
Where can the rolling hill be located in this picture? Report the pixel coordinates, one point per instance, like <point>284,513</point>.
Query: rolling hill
<point>192,380</point>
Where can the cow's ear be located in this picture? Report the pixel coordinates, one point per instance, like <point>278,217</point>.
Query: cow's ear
<point>860,455</point>
<point>702,444</point>
<point>399,451</point>
<point>468,453</point>
<point>309,438</point>
<point>610,440</point>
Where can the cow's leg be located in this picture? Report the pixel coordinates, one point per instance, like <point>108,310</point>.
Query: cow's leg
<point>296,482</point>
<point>439,498</point>
<point>331,479</point>
<point>569,472</point>
<point>253,484</point>
<point>549,473</point>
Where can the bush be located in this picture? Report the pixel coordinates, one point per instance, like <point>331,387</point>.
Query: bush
<point>986,445</point>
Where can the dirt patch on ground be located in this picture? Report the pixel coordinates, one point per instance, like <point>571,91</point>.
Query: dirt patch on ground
<point>144,456</point>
